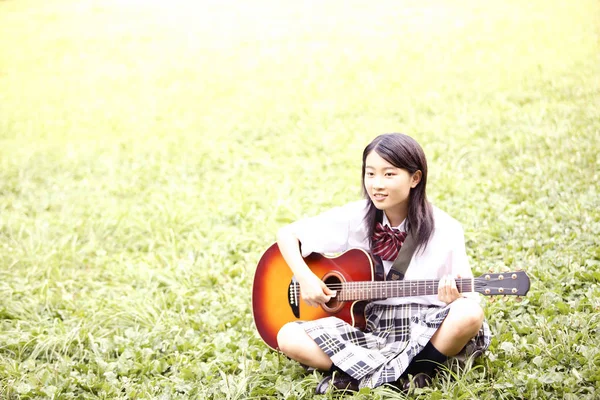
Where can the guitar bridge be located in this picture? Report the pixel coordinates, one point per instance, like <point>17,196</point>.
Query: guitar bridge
<point>294,297</point>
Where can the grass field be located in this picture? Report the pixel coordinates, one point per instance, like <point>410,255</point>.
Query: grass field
<point>150,150</point>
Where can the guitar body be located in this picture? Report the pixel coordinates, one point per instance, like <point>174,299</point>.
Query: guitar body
<point>276,299</point>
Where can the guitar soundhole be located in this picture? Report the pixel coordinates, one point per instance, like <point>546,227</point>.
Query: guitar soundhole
<point>333,280</point>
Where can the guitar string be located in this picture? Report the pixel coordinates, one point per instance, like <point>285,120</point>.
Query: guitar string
<point>382,285</point>
<point>417,282</point>
<point>396,291</point>
<point>412,286</point>
<point>420,283</point>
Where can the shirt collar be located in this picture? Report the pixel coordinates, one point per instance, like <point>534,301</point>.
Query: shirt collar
<point>401,227</point>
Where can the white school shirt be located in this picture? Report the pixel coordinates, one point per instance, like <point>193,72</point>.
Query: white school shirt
<point>343,228</point>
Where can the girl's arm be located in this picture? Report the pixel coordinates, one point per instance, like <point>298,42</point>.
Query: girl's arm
<point>457,265</point>
<point>312,289</point>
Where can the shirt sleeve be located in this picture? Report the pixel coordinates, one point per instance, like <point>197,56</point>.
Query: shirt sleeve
<point>458,255</point>
<point>460,261</point>
<point>328,232</point>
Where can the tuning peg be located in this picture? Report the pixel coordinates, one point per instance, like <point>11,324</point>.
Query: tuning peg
<point>491,270</point>
<point>505,269</point>
<point>492,299</point>
<point>518,299</point>
<point>519,268</point>
<point>505,298</point>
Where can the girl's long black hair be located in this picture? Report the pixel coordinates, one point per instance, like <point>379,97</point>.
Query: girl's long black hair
<point>404,152</point>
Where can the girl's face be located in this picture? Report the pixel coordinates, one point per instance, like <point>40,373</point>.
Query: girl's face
<point>389,186</point>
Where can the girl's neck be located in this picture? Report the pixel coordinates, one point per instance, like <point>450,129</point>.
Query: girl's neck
<point>395,217</point>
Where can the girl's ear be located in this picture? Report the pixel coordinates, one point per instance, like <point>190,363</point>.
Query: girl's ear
<point>415,178</point>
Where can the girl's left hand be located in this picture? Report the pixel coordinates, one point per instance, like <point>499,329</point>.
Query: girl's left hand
<point>447,291</point>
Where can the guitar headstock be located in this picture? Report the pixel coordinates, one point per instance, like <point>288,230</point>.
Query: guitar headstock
<point>515,283</point>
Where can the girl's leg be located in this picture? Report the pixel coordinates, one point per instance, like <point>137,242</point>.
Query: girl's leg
<point>295,343</point>
<point>462,323</point>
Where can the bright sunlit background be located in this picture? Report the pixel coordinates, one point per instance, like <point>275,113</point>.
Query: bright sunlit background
<point>149,151</point>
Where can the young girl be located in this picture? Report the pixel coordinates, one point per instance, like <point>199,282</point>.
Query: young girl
<point>406,336</point>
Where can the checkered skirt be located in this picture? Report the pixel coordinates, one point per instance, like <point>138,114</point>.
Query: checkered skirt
<point>393,336</point>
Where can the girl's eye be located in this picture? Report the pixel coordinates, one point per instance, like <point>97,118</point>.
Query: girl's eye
<point>389,174</point>
<point>369,174</point>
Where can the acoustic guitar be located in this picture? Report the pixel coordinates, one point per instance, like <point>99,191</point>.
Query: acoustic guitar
<point>276,296</point>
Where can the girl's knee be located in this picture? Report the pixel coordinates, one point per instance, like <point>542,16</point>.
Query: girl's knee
<point>288,336</point>
<point>294,342</point>
<point>467,315</point>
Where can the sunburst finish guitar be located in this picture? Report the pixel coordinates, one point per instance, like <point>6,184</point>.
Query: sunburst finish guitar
<point>276,298</point>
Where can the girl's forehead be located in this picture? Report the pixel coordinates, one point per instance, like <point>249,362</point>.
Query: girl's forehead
<point>374,160</point>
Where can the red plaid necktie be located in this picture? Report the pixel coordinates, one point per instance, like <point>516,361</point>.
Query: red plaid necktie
<point>387,241</point>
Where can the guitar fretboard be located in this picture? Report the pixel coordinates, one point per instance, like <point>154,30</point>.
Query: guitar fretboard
<point>352,291</point>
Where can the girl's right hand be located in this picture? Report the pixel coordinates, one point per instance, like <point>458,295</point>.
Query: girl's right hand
<point>314,291</point>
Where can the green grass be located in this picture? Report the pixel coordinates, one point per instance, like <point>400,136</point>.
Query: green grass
<point>150,151</point>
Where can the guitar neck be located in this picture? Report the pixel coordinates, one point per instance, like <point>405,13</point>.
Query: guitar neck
<point>372,290</point>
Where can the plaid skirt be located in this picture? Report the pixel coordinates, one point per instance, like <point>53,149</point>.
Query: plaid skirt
<point>394,335</point>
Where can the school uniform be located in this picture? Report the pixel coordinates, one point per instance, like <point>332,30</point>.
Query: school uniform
<point>397,328</point>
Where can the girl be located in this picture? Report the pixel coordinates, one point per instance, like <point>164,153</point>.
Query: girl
<point>406,336</point>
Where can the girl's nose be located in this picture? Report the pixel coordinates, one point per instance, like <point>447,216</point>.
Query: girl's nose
<point>377,182</point>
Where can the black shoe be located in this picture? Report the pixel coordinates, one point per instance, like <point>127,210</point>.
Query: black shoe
<point>337,381</point>
<point>416,382</point>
